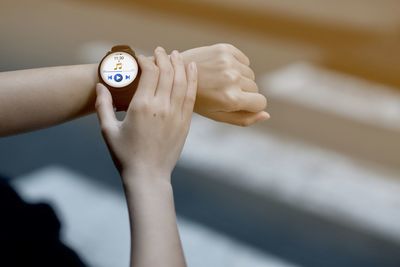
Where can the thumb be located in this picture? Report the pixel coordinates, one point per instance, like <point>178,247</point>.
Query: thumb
<point>104,108</point>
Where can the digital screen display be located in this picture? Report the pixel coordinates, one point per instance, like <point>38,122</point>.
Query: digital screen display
<point>119,69</point>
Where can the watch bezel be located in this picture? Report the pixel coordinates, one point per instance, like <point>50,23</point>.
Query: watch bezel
<point>119,89</point>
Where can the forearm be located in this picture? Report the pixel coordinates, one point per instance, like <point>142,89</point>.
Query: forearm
<point>154,232</point>
<point>37,98</point>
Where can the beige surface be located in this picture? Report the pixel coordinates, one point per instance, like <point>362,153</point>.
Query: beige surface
<point>329,184</point>
<point>357,37</point>
<point>369,15</point>
<point>335,111</point>
<point>45,32</point>
<point>95,224</point>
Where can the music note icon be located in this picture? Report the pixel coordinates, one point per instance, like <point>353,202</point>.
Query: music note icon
<point>118,66</point>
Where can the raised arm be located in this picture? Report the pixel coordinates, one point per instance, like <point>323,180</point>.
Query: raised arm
<point>37,98</point>
<point>145,147</point>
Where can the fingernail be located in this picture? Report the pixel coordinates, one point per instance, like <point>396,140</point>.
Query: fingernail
<point>175,54</point>
<point>160,49</point>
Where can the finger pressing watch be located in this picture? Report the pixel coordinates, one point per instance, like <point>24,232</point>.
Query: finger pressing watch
<point>120,73</point>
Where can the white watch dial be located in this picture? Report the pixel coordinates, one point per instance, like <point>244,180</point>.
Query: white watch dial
<point>119,69</point>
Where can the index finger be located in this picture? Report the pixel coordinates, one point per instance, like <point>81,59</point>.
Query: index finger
<point>148,80</point>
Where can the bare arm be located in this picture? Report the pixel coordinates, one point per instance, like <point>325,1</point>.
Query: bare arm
<point>145,147</point>
<point>37,98</point>
<point>155,238</point>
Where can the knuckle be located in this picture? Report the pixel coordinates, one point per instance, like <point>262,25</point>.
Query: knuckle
<point>223,47</point>
<point>191,99</point>
<point>225,61</point>
<point>252,74</point>
<point>252,86</point>
<point>163,112</point>
<point>231,76</point>
<point>229,46</point>
<point>231,100</point>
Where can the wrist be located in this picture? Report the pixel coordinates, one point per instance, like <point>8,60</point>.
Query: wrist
<point>144,189</point>
<point>146,176</point>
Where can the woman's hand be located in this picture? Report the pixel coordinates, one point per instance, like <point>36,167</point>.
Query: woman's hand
<point>145,147</point>
<point>226,88</point>
<point>152,134</point>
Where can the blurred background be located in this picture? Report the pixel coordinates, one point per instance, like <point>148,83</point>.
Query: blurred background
<point>316,185</point>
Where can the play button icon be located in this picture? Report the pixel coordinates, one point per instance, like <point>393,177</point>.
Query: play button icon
<point>118,77</point>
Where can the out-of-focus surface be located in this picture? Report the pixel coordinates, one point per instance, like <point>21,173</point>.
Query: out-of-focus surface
<point>359,37</point>
<point>317,185</point>
<point>106,226</point>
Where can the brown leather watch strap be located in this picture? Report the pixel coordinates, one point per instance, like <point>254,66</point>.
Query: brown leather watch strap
<point>122,96</point>
<point>123,48</point>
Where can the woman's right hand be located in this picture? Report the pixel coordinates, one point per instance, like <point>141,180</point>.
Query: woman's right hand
<point>148,142</point>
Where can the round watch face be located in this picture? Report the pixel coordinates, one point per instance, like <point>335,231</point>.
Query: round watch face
<point>118,69</point>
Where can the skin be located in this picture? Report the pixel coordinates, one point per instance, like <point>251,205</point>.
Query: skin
<point>226,91</point>
<point>145,147</point>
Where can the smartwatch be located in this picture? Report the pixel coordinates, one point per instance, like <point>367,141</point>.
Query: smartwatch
<point>120,73</point>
